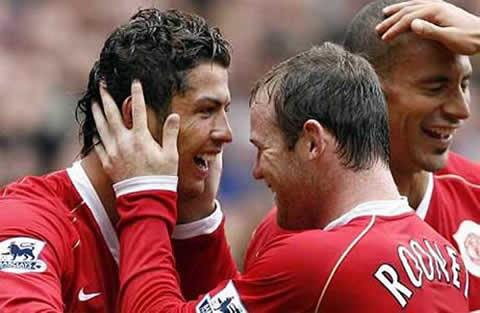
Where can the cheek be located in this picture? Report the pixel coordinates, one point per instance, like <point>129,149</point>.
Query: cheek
<point>184,137</point>
<point>193,134</point>
<point>266,163</point>
<point>406,117</point>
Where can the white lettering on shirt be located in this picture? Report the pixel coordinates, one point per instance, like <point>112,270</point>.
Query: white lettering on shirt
<point>417,262</point>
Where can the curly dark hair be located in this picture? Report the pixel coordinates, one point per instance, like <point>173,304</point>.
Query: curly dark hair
<point>158,48</point>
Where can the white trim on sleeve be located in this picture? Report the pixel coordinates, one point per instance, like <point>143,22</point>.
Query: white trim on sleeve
<point>204,226</point>
<point>143,183</point>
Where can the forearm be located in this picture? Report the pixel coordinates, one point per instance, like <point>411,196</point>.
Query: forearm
<point>148,280</point>
<point>195,245</point>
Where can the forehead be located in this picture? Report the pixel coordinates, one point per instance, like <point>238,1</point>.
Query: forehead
<point>208,79</point>
<point>262,115</point>
<point>422,59</point>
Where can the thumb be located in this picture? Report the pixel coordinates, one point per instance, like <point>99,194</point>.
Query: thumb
<point>427,30</point>
<point>170,132</point>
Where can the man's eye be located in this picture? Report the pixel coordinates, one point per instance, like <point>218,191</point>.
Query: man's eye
<point>465,84</point>
<point>436,88</point>
<point>208,111</point>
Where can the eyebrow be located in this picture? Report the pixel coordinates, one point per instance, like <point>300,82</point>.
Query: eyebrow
<point>214,100</point>
<point>434,79</point>
<point>441,79</point>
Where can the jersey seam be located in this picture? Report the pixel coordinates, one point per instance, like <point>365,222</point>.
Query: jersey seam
<point>459,178</point>
<point>341,259</point>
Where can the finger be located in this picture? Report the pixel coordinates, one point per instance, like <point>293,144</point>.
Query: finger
<point>139,110</point>
<point>448,36</point>
<point>398,22</point>
<point>100,150</point>
<point>394,8</point>
<point>428,30</point>
<point>170,132</point>
<point>100,122</point>
<point>404,24</point>
<point>112,114</point>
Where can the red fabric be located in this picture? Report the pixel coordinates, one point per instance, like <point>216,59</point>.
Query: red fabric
<point>211,263</point>
<point>39,208</point>
<point>265,232</point>
<point>288,274</point>
<point>455,199</point>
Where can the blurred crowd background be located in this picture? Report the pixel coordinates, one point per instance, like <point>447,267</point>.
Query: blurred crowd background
<point>47,48</point>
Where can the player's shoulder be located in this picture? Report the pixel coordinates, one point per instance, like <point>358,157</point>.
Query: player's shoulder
<point>460,170</point>
<point>268,221</point>
<point>35,200</point>
<point>34,215</point>
<point>311,256</point>
<point>312,244</point>
<point>51,185</point>
<point>302,258</point>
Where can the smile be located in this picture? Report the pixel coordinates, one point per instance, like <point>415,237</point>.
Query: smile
<point>202,160</point>
<point>442,133</point>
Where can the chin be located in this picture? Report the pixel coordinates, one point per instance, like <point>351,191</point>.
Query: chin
<point>436,161</point>
<point>191,189</point>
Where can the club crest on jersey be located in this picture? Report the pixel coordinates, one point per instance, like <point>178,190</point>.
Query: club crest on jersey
<point>21,255</point>
<point>225,301</point>
<point>468,240</point>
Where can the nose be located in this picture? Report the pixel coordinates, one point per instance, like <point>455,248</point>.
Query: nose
<point>222,131</point>
<point>257,171</point>
<point>458,106</point>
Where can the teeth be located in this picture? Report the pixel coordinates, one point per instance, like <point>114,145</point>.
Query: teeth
<point>444,131</point>
<point>207,157</point>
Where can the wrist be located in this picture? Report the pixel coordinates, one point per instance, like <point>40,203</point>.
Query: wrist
<point>144,183</point>
<point>197,213</point>
<point>204,226</point>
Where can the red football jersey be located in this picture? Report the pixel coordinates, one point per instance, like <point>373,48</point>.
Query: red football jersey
<point>58,250</point>
<point>379,257</point>
<point>204,240</point>
<point>451,206</point>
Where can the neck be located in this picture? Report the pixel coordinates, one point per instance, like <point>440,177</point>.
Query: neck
<point>411,184</point>
<point>354,188</point>
<point>102,184</point>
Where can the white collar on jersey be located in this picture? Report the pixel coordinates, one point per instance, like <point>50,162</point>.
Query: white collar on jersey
<point>85,188</point>
<point>377,208</point>
<point>425,203</point>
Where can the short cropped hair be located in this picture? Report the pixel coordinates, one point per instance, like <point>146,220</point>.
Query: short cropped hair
<point>361,38</point>
<point>158,48</point>
<point>338,89</point>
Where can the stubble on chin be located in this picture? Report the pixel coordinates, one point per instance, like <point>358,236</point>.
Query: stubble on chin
<point>436,161</point>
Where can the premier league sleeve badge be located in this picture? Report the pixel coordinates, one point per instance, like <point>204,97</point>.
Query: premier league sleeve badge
<point>20,255</point>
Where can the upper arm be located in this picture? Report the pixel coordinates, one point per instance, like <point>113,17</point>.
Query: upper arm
<point>33,258</point>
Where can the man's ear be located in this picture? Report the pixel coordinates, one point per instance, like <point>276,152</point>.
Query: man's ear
<point>127,112</point>
<point>315,139</point>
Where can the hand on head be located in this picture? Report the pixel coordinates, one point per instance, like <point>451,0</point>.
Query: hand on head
<point>436,20</point>
<point>126,153</point>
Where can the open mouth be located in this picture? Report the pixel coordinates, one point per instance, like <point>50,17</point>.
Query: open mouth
<point>441,133</point>
<point>202,161</point>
